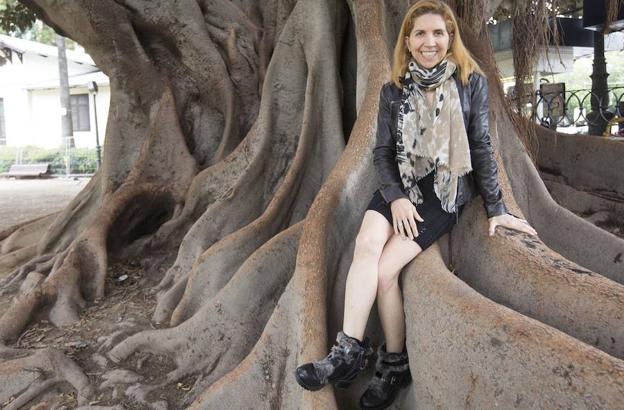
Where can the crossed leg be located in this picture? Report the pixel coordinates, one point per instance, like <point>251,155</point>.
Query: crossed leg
<point>396,254</point>
<point>361,287</point>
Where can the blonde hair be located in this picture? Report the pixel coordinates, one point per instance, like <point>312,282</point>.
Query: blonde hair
<point>458,53</point>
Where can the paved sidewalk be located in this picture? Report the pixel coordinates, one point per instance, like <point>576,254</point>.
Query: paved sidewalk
<point>25,199</point>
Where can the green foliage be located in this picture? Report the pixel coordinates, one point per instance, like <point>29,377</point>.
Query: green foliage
<point>41,33</point>
<point>19,21</point>
<point>82,160</point>
<point>15,17</point>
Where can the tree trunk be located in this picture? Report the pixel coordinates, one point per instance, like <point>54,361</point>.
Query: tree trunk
<point>229,197</point>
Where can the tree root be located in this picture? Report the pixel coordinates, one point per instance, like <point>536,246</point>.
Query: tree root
<point>582,202</point>
<point>265,377</point>
<point>23,379</point>
<point>233,193</point>
<point>216,265</point>
<point>581,160</point>
<point>242,322</point>
<point>222,332</point>
<point>79,273</point>
<point>74,219</point>
<point>42,264</point>
<point>290,199</point>
<point>25,235</point>
<point>561,230</point>
<point>520,272</point>
<point>11,260</point>
<point>466,351</point>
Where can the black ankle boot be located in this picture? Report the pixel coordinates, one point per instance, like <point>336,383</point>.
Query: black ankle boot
<point>391,374</point>
<point>344,362</point>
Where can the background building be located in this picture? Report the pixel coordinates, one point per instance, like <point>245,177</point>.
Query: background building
<point>30,113</point>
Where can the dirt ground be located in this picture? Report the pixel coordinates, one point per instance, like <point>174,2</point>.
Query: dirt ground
<point>25,199</point>
<point>125,310</point>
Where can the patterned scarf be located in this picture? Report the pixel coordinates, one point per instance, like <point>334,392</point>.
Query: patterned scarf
<point>432,139</point>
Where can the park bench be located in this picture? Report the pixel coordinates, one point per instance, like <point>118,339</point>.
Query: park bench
<point>41,170</point>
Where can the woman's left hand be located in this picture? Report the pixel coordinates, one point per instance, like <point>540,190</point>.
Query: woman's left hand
<point>511,222</point>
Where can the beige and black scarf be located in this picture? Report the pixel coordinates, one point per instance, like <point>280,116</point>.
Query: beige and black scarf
<point>432,138</point>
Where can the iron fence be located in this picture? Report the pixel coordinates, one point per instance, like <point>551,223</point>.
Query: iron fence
<point>573,108</point>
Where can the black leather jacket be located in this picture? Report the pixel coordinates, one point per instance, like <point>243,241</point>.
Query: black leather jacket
<point>474,103</point>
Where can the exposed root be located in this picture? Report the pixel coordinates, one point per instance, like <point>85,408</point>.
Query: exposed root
<point>290,195</point>
<point>10,261</point>
<point>461,343</point>
<point>42,264</point>
<point>24,379</point>
<point>74,219</point>
<point>561,230</point>
<point>215,266</point>
<point>520,272</point>
<point>25,235</point>
<point>581,160</point>
<point>243,323</point>
<point>265,377</point>
<point>79,273</point>
<point>222,332</point>
<point>19,312</point>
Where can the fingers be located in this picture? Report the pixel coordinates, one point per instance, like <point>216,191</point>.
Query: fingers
<point>417,216</point>
<point>413,226</point>
<point>407,224</point>
<point>401,228</point>
<point>405,229</point>
<point>404,217</point>
<point>511,222</point>
<point>526,228</point>
<point>522,226</point>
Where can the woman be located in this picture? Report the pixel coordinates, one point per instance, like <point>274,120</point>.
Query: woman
<point>432,148</point>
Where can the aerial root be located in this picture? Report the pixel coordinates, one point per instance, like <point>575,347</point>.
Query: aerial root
<point>17,316</point>
<point>571,298</point>
<point>42,264</point>
<point>26,234</point>
<point>222,332</point>
<point>168,300</point>
<point>11,260</point>
<point>23,379</point>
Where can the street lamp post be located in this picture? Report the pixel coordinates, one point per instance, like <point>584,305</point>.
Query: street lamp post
<point>93,89</point>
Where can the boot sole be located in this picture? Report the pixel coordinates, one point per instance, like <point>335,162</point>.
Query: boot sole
<point>307,386</point>
<point>386,405</point>
<point>340,385</point>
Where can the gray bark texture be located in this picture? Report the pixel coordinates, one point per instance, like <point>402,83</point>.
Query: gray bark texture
<point>236,170</point>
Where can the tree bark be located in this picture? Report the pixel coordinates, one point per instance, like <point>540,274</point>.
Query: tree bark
<point>227,178</point>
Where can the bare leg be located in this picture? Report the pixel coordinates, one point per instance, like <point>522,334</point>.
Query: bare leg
<point>363,274</point>
<point>396,254</point>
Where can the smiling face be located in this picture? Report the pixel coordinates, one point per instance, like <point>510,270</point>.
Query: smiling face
<point>429,40</point>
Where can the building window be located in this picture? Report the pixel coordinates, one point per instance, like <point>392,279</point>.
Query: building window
<point>80,112</point>
<point>2,128</point>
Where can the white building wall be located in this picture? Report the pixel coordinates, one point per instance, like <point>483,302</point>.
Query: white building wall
<point>44,125</point>
<point>86,139</point>
<point>29,89</point>
<point>16,113</point>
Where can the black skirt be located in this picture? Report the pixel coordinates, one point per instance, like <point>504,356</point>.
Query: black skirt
<point>437,221</point>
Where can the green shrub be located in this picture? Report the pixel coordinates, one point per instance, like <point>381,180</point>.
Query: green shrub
<point>82,160</point>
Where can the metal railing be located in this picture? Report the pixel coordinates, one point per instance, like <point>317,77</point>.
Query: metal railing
<point>573,108</point>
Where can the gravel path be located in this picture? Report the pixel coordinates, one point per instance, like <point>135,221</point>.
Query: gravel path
<point>25,199</point>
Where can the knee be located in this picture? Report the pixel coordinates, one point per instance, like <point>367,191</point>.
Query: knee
<point>387,280</point>
<point>368,245</point>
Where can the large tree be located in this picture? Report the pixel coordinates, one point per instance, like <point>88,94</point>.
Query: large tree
<point>237,166</point>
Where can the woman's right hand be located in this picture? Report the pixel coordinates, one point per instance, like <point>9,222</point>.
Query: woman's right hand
<point>404,217</point>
